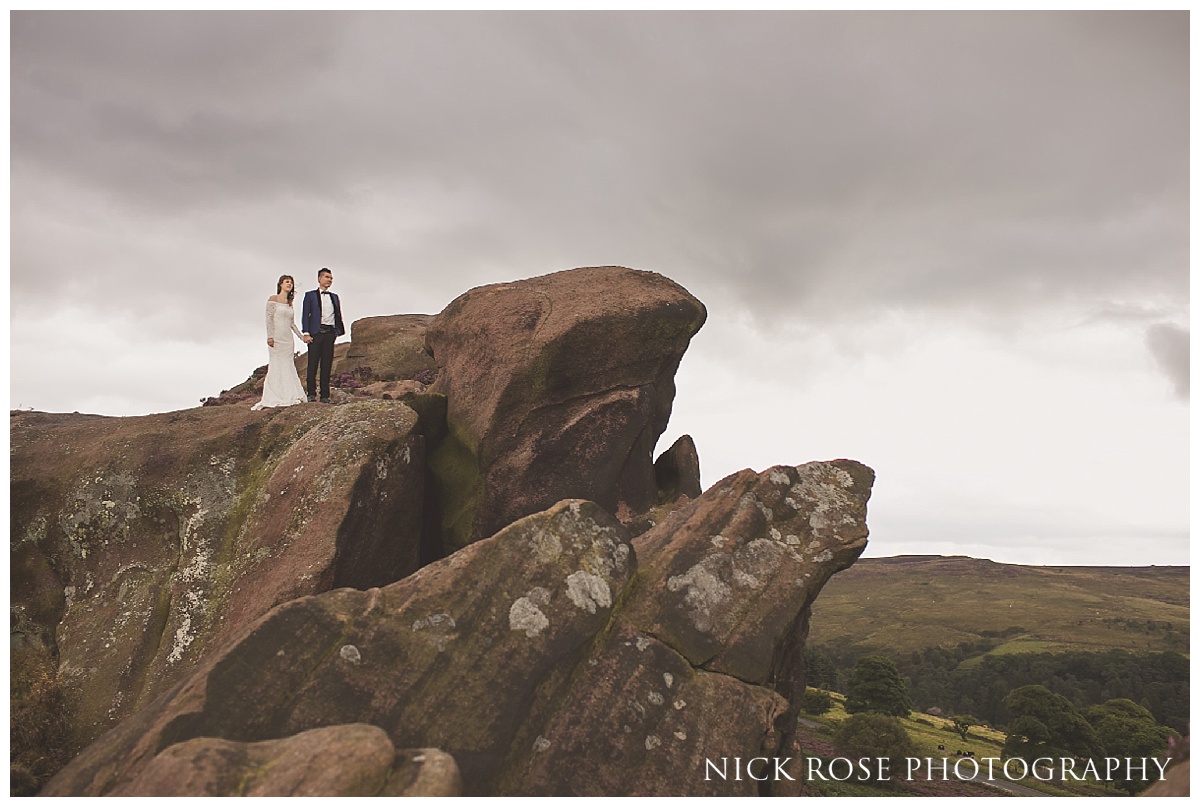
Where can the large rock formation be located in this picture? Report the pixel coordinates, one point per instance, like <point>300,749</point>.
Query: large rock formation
<point>557,387</point>
<point>139,542</point>
<point>262,602</point>
<point>450,657</point>
<point>537,658</point>
<point>704,658</point>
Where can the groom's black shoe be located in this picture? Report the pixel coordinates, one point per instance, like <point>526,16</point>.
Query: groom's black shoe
<point>324,400</point>
<point>312,398</point>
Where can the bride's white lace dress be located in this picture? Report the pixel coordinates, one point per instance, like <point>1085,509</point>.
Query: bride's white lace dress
<point>282,386</point>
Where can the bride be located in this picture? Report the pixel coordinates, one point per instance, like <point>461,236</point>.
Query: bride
<point>282,386</point>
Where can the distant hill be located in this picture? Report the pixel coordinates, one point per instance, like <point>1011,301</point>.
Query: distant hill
<point>911,602</point>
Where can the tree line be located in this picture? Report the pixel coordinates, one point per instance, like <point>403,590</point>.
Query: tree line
<point>937,677</point>
<point>1041,724</point>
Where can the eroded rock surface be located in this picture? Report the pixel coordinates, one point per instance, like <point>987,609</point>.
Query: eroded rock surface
<point>138,543</point>
<point>641,720</point>
<point>537,658</point>
<point>558,387</point>
<point>703,662</point>
<point>392,347</point>
<point>347,760</point>
<point>728,575</point>
<point>450,657</point>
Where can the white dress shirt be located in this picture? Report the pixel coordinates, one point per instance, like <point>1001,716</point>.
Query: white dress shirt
<point>327,317</point>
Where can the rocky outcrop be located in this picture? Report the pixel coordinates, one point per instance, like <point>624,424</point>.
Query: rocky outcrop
<point>704,660</point>
<point>487,587</point>
<point>138,543</point>
<point>451,657</point>
<point>557,387</point>
<point>734,570</point>
<point>542,659</point>
<point>392,348</point>
<point>350,760</point>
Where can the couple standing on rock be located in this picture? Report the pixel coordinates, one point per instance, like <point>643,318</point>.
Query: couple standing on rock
<point>321,318</point>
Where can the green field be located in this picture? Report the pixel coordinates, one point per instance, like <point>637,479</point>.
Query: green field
<point>897,605</point>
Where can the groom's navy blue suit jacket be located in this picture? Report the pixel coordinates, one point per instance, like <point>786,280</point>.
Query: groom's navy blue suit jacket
<point>310,314</point>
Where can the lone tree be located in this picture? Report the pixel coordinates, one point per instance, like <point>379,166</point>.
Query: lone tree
<point>1047,725</point>
<point>876,686</point>
<point>963,724</point>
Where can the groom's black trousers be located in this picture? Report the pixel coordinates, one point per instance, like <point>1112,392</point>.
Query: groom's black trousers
<point>320,351</point>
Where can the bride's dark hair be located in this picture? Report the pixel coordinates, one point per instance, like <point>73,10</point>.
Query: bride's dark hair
<point>279,286</point>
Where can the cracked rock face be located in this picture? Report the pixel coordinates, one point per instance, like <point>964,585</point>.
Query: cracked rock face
<point>546,660</point>
<point>138,543</point>
<point>558,387</point>
<point>641,720</point>
<point>704,655</point>
<point>438,659</point>
<point>730,573</point>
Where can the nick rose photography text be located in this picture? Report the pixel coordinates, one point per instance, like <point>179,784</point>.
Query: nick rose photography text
<point>841,769</point>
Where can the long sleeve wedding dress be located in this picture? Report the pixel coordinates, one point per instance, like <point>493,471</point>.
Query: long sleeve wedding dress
<point>282,385</point>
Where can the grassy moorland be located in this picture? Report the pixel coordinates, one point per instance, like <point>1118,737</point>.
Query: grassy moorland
<point>901,604</point>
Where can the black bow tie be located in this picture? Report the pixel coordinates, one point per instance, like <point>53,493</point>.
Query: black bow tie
<point>323,291</point>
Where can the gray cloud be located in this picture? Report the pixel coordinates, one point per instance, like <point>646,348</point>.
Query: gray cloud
<point>836,187</point>
<point>794,160</point>
<point>1170,346</point>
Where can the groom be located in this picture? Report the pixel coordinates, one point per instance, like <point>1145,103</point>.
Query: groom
<point>321,318</point>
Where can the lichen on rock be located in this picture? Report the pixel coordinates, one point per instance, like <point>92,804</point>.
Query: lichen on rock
<point>167,532</point>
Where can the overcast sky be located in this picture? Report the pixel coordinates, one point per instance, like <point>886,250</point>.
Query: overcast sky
<point>953,246</point>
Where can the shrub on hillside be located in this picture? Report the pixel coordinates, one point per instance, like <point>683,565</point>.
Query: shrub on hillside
<point>874,736</point>
<point>816,702</point>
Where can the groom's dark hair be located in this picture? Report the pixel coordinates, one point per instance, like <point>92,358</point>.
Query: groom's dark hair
<point>324,270</point>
